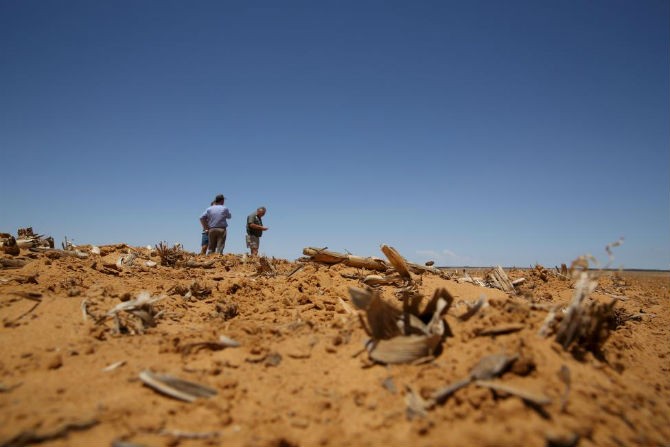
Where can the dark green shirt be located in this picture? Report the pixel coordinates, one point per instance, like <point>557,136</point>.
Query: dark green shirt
<point>253,218</point>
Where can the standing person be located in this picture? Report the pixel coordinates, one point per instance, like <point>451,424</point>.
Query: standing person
<point>204,239</point>
<point>255,230</point>
<point>215,222</point>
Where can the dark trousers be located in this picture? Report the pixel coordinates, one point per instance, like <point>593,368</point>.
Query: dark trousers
<point>217,240</point>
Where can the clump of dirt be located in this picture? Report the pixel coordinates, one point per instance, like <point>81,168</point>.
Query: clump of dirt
<point>282,345</point>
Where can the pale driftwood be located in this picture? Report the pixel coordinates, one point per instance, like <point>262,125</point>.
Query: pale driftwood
<point>174,387</point>
<point>397,261</point>
<point>330,257</point>
<point>500,280</point>
<point>325,256</point>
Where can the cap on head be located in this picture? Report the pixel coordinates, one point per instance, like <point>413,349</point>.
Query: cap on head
<point>219,198</point>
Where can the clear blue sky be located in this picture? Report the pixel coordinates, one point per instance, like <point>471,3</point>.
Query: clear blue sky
<point>470,132</point>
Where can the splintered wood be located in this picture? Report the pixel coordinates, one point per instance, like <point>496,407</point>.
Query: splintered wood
<point>499,278</point>
<point>586,323</point>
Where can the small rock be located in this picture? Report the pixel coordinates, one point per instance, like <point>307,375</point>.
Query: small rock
<point>55,362</point>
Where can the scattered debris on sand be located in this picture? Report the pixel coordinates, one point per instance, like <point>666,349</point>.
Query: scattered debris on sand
<point>122,345</point>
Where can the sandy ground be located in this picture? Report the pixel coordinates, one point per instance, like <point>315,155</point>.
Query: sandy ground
<point>299,376</point>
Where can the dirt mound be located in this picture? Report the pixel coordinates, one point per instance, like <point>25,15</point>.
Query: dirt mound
<point>283,347</point>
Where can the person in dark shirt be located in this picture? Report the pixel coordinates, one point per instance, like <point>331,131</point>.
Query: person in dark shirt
<point>255,229</point>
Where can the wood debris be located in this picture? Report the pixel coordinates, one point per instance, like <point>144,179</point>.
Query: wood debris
<point>324,256</point>
<point>174,387</point>
<point>402,336</point>
<point>498,278</point>
<point>140,308</point>
<point>586,323</point>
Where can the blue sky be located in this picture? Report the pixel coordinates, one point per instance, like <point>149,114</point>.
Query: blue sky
<point>471,132</point>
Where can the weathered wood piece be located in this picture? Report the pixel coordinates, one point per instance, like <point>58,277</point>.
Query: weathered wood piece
<point>404,348</point>
<point>325,256</point>
<point>586,322</point>
<point>174,387</point>
<point>402,336</point>
<point>500,280</point>
<point>330,257</point>
<point>397,261</point>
